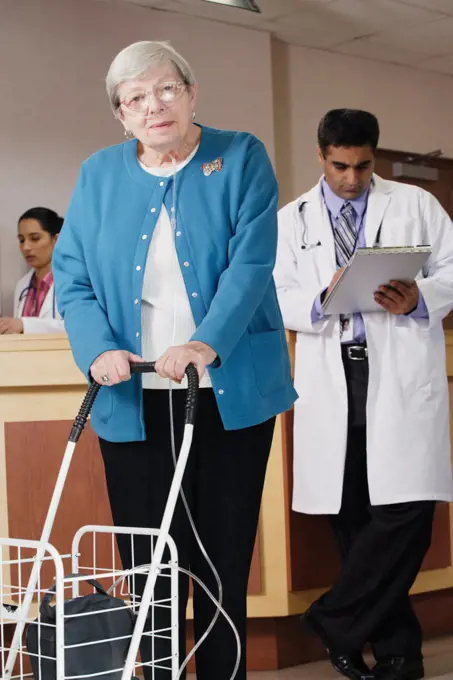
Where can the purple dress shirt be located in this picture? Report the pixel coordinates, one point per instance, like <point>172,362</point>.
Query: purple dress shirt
<point>334,205</point>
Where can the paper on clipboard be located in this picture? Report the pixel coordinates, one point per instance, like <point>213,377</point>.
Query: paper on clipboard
<point>368,269</point>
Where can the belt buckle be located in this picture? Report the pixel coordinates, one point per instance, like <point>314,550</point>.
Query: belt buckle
<point>362,350</point>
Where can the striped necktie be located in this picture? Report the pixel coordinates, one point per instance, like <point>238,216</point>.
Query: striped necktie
<point>345,235</point>
<point>345,241</point>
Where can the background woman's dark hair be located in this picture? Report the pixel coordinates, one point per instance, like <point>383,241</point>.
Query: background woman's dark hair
<point>49,220</point>
<point>348,127</point>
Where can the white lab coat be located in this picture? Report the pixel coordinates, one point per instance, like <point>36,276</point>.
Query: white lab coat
<point>408,439</point>
<point>49,320</point>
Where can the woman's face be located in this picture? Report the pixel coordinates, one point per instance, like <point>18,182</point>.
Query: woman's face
<point>36,244</point>
<point>157,108</point>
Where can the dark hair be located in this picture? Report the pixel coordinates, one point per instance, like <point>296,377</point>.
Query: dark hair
<point>348,127</point>
<point>49,220</point>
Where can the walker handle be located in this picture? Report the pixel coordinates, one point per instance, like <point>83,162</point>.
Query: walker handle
<point>192,388</point>
<point>143,366</point>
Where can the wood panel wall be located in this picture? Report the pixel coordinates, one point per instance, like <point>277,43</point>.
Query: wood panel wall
<point>33,452</point>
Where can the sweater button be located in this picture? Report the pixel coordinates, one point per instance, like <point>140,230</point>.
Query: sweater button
<point>138,267</point>
<point>221,391</point>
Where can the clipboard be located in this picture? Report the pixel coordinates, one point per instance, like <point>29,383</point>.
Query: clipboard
<point>368,269</point>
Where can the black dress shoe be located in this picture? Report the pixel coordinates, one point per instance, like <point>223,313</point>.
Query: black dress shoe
<point>350,665</point>
<point>399,668</point>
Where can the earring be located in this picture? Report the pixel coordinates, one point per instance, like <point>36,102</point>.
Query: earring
<point>193,115</point>
<point>128,134</point>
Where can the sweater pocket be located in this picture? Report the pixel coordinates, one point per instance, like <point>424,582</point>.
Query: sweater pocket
<point>268,353</point>
<point>103,406</point>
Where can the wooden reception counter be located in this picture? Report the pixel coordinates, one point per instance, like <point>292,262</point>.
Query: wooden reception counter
<point>295,559</point>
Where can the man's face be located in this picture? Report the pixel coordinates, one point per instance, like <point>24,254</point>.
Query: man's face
<point>348,170</point>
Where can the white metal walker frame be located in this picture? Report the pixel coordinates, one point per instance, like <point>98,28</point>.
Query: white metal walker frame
<point>45,552</point>
<point>111,573</point>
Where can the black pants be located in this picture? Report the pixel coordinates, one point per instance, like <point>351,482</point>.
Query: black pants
<point>223,484</point>
<point>382,549</point>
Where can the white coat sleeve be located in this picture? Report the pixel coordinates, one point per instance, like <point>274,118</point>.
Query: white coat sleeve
<point>16,300</point>
<point>35,325</point>
<point>437,284</point>
<point>296,300</point>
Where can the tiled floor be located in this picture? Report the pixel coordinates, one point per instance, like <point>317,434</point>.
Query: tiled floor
<point>438,666</point>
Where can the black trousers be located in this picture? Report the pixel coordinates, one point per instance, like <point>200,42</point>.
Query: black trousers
<point>382,549</point>
<point>223,485</point>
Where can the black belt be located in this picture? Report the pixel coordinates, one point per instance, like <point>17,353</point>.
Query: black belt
<point>355,352</point>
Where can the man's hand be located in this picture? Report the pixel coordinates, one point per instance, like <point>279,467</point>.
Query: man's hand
<point>113,367</point>
<point>10,326</point>
<point>335,278</point>
<point>398,297</point>
<point>174,362</point>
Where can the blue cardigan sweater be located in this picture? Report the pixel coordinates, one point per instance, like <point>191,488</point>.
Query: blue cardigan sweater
<point>226,232</point>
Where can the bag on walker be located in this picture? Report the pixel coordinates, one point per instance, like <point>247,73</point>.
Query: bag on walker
<point>98,625</point>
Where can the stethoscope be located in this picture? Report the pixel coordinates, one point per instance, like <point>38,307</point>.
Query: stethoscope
<point>309,246</point>
<point>24,294</point>
<point>305,244</point>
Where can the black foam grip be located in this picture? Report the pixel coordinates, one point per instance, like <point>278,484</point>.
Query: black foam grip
<point>192,388</point>
<point>137,367</point>
<point>143,367</point>
<point>192,394</point>
<point>84,412</point>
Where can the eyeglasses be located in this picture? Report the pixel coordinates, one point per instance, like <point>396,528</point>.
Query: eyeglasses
<point>164,93</point>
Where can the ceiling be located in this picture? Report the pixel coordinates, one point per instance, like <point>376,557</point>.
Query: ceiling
<point>417,33</point>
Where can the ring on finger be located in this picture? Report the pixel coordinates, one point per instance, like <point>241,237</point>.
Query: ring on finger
<point>105,378</point>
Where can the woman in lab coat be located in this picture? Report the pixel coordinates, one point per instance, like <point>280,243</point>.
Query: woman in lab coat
<point>35,309</point>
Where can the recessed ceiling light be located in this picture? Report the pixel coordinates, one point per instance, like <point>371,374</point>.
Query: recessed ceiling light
<point>239,4</point>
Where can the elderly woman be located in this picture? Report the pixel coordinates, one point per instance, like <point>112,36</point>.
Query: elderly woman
<point>167,253</point>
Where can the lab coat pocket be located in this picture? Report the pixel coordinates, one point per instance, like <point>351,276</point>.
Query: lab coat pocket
<point>419,366</point>
<point>402,231</point>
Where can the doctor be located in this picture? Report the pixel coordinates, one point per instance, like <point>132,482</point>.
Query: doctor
<point>371,439</point>
<point>35,309</point>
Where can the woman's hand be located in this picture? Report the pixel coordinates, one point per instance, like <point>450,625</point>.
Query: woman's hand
<point>113,367</point>
<point>9,326</point>
<point>174,362</point>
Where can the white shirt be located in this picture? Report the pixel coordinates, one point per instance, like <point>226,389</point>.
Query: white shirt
<point>167,318</point>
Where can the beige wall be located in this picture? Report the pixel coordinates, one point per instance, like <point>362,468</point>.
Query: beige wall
<point>54,113</point>
<point>414,107</point>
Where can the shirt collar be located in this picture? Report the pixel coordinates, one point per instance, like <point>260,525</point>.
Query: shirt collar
<point>46,281</point>
<point>335,203</point>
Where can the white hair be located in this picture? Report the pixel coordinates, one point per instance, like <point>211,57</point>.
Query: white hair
<point>138,59</point>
